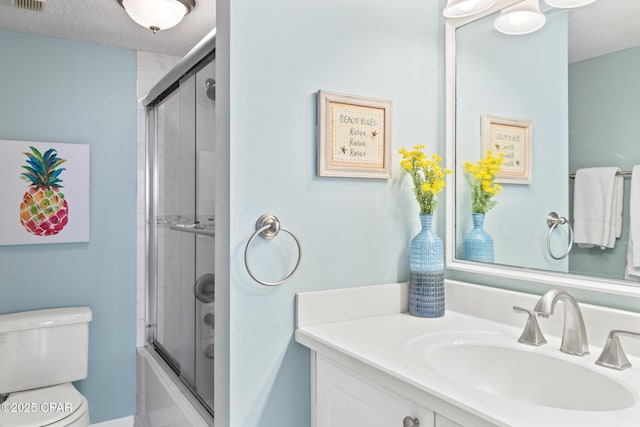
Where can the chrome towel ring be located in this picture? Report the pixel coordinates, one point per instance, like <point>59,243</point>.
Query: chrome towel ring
<point>268,227</point>
<point>552,222</point>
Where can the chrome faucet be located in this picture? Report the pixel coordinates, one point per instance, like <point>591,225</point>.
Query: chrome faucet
<point>612,355</point>
<point>531,335</point>
<point>574,335</point>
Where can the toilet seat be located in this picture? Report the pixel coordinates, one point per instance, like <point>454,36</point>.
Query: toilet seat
<point>56,406</point>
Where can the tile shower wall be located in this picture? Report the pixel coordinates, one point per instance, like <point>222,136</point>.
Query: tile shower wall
<point>150,68</point>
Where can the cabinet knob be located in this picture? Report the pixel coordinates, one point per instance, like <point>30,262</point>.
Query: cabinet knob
<point>410,422</point>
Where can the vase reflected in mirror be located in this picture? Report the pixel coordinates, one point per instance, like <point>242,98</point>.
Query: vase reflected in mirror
<point>478,244</point>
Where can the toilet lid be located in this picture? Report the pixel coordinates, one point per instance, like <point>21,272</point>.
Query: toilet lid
<point>39,407</point>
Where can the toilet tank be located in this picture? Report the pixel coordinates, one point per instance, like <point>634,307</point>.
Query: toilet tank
<point>43,347</point>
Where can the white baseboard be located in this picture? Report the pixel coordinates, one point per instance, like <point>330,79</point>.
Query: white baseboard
<point>120,422</point>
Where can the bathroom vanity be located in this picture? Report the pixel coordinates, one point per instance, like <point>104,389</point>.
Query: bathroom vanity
<point>374,364</point>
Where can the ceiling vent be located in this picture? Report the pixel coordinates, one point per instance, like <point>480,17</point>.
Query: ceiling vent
<point>34,5</point>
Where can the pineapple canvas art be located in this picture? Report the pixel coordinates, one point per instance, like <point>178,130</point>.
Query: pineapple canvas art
<point>49,183</point>
<point>44,210</point>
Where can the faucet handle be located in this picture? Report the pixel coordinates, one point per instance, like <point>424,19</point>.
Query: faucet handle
<point>612,355</point>
<point>532,335</point>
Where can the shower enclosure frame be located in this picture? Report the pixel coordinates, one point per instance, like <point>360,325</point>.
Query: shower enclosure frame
<point>199,57</point>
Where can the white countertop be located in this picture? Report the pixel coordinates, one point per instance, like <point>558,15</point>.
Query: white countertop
<point>387,341</point>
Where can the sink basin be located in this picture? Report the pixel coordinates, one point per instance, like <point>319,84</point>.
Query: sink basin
<point>528,375</point>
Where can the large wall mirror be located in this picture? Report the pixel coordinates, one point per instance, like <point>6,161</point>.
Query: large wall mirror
<point>574,85</point>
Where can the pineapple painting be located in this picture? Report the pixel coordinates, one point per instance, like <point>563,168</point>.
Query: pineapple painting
<point>43,210</point>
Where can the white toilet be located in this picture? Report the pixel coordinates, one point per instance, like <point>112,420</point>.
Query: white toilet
<point>41,352</point>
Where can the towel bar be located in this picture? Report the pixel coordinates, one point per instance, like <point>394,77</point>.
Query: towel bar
<point>619,173</point>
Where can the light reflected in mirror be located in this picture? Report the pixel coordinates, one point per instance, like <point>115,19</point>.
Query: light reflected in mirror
<point>582,103</point>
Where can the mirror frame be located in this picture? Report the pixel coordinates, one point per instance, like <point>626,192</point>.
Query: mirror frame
<point>565,280</point>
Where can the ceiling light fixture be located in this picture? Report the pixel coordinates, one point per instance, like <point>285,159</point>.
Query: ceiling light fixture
<point>461,8</point>
<point>568,4</point>
<point>522,18</point>
<point>157,14</point>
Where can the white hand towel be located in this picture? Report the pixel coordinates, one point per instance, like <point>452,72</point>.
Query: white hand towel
<point>597,207</point>
<point>633,250</point>
<point>618,194</point>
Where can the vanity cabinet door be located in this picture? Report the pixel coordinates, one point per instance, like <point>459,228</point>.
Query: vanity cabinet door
<point>445,422</point>
<point>344,399</point>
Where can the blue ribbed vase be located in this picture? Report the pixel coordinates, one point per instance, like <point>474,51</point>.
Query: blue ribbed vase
<point>478,244</point>
<point>426,272</point>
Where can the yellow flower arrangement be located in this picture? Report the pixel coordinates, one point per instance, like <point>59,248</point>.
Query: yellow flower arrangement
<point>481,176</point>
<point>427,175</point>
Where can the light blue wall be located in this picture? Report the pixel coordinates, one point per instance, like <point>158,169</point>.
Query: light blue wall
<point>603,123</point>
<point>521,77</point>
<point>271,60</point>
<point>273,57</point>
<point>63,91</point>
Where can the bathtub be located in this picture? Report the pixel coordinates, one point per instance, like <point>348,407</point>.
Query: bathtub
<point>162,399</point>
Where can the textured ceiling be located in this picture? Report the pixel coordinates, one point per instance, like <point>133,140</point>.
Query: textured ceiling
<point>603,27</point>
<point>106,22</point>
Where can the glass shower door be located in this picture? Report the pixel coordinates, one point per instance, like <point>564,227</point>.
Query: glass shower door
<point>205,209</point>
<point>182,153</point>
<point>175,203</point>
